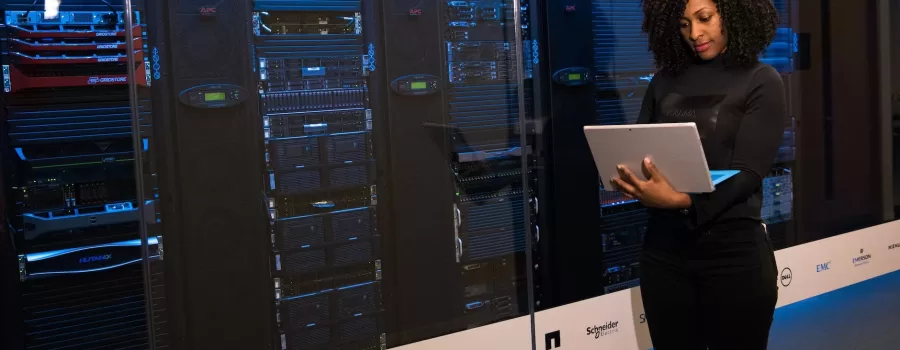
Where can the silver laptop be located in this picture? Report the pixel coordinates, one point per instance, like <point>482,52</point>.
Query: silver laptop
<point>674,148</point>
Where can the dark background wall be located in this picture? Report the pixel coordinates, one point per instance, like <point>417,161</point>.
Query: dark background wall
<point>838,186</point>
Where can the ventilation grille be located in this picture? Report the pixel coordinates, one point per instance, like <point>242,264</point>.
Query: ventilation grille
<point>70,123</point>
<point>93,311</point>
<point>484,116</point>
<point>302,232</point>
<point>494,228</point>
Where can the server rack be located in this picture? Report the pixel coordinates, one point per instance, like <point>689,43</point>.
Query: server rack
<point>314,64</point>
<point>612,75</point>
<point>71,204</point>
<point>460,113</point>
<point>394,189</point>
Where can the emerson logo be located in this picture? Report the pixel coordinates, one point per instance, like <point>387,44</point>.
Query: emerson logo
<point>95,258</point>
<point>604,329</point>
<point>107,80</point>
<point>786,276</point>
<point>862,259</point>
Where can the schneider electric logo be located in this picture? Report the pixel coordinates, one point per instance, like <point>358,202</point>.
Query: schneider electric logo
<point>823,267</point>
<point>604,329</point>
<point>107,80</point>
<point>862,259</point>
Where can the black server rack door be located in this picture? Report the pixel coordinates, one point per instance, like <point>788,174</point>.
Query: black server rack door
<point>423,254</point>
<point>208,163</point>
<point>835,118</point>
<point>460,164</point>
<point>574,242</point>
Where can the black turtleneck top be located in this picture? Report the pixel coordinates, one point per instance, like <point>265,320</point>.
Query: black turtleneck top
<point>740,114</point>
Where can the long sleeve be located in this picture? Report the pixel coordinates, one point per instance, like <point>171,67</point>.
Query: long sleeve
<point>648,106</point>
<point>756,145</point>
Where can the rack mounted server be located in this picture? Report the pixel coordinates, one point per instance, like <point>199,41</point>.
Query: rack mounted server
<point>69,183</point>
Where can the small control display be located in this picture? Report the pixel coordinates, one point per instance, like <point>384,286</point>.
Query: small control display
<point>572,76</point>
<point>416,85</point>
<point>213,96</point>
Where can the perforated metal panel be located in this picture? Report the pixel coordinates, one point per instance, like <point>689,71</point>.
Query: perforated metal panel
<point>201,56</point>
<point>349,225</point>
<point>93,311</point>
<point>307,261</point>
<point>353,253</point>
<point>302,232</point>
<point>309,310</point>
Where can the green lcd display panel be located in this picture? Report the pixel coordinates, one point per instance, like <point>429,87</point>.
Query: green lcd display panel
<point>574,76</point>
<point>418,85</point>
<point>214,96</point>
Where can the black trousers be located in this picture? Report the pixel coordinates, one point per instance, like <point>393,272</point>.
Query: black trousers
<point>716,290</point>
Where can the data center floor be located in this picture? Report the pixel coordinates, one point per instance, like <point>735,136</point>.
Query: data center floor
<point>864,316</point>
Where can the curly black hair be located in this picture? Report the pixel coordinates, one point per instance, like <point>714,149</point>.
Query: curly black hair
<point>749,24</point>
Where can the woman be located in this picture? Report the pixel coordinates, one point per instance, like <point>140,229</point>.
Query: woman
<point>708,270</point>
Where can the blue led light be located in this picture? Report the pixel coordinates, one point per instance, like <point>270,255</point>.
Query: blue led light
<point>314,71</point>
<point>54,253</point>
<point>110,208</point>
<point>323,206</point>
<point>21,154</point>
<point>87,270</point>
<point>156,66</point>
<point>355,285</point>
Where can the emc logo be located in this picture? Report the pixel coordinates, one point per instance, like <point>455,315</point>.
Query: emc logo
<point>823,267</point>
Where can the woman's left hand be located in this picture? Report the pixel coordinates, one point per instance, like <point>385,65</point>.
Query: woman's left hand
<point>656,192</point>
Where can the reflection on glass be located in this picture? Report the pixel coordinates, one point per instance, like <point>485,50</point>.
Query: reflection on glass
<point>69,195</point>
<point>623,68</point>
<point>347,118</point>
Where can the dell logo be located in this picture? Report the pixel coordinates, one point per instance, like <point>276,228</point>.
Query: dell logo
<point>823,267</point>
<point>786,276</point>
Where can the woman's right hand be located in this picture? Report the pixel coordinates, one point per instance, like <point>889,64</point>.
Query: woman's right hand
<point>656,192</point>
